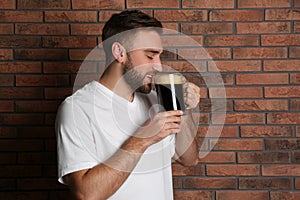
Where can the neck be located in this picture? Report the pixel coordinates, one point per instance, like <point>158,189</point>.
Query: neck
<point>112,78</point>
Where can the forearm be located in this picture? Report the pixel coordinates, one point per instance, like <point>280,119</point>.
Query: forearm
<point>103,180</point>
<point>186,141</point>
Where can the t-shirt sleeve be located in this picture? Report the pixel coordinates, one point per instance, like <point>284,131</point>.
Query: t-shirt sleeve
<point>75,144</point>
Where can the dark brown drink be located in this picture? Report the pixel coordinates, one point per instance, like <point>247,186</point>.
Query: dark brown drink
<point>170,91</point>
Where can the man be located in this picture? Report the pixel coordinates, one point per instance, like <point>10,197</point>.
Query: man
<point>112,142</point>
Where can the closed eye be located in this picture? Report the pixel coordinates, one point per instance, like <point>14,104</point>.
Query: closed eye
<point>150,57</point>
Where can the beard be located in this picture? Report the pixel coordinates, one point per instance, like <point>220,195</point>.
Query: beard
<point>135,79</point>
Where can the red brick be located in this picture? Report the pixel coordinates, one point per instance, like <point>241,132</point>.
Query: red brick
<point>234,66</point>
<point>266,131</point>
<point>36,132</point>
<point>70,16</point>
<point>217,157</point>
<point>7,132</point>
<point>41,54</point>
<point>21,119</point>
<point>178,41</point>
<point>207,106</point>
<point>263,157</point>
<point>104,15</point>
<point>209,183</point>
<point>23,195</point>
<point>6,29</point>
<point>193,195</point>
<point>281,65</point>
<point>296,27</point>
<point>57,93</point>
<point>263,4</point>
<point>237,144</point>
<point>231,40</point>
<point>45,4</point>
<point>282,14</point>
<point>280,40</point>
<point>184,66</point>
<point>20,67</point>
<point>7,4</point>
<point>8,158</point>
<point>37,106</point>
<point>240,53</point>
<point>69,42</point>
<point>6,54</point>
<point>179,170</point>
<point>298,131</point>
<point>37,158</point>
<point>208,4</point>
<point>296,3</point>
<point>152,4</point>
<point>294,52</point>
<point>297,183</point>
<point>98,4</point>
<point>42,80</point>
<point>21,145</point>
<point>21,93</point>
<point>295,105</point>
<point>282,92</point>
<point>265,183</point>
<point>19,42</point>
<point>260,105</point>
<point>236,15</point>
<point>285,195</point>
<point>207,53</point>
<point>87,54</point>
<point>282,144</point>
<point>283,118</point>
<point>232,170</point>
<point>177,182</point>
<point>39,184</point>
<point>181,15</point>
<point>69,67</point>
<point>20,171</point>
<point>295,78</point>
<point>172,26</point>
<point>262,79</point>
<point>214,131</point>
<point>6,80</point>
<point>296,157</point>
<point>7,184</point>
<point>204,28</point>
<point>50,144</point>
<point>245,195</point>
<point>227,79</point>
<point>239,92</point>
<point>60,195</point>
<point>21,16</point>
<point>263,27</point>
<point>280,170</point>
<point>42,29</point>
<point>86,29</point>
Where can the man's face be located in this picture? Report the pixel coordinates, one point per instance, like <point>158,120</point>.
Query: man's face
<point>143,62</point>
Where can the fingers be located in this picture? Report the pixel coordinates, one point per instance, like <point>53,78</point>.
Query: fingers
<point>192,95</point>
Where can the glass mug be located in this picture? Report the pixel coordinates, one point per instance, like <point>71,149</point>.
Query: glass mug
<point>169,88</point>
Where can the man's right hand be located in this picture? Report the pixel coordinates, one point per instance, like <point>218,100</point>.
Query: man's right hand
<point>159,126</point>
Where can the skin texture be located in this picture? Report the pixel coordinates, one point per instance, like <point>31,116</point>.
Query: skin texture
<point>132,71</point>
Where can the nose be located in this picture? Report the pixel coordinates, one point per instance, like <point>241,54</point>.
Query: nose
<point>157,66</point>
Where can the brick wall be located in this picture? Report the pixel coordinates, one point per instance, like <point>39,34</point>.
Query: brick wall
<point>254,43</point>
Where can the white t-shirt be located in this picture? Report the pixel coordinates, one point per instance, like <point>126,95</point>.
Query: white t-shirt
<point>94,122</point>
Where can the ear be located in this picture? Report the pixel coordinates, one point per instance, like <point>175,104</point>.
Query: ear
<point>118,52</point>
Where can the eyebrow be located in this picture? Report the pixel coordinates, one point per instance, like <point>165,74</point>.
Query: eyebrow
<point>155,51</point>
